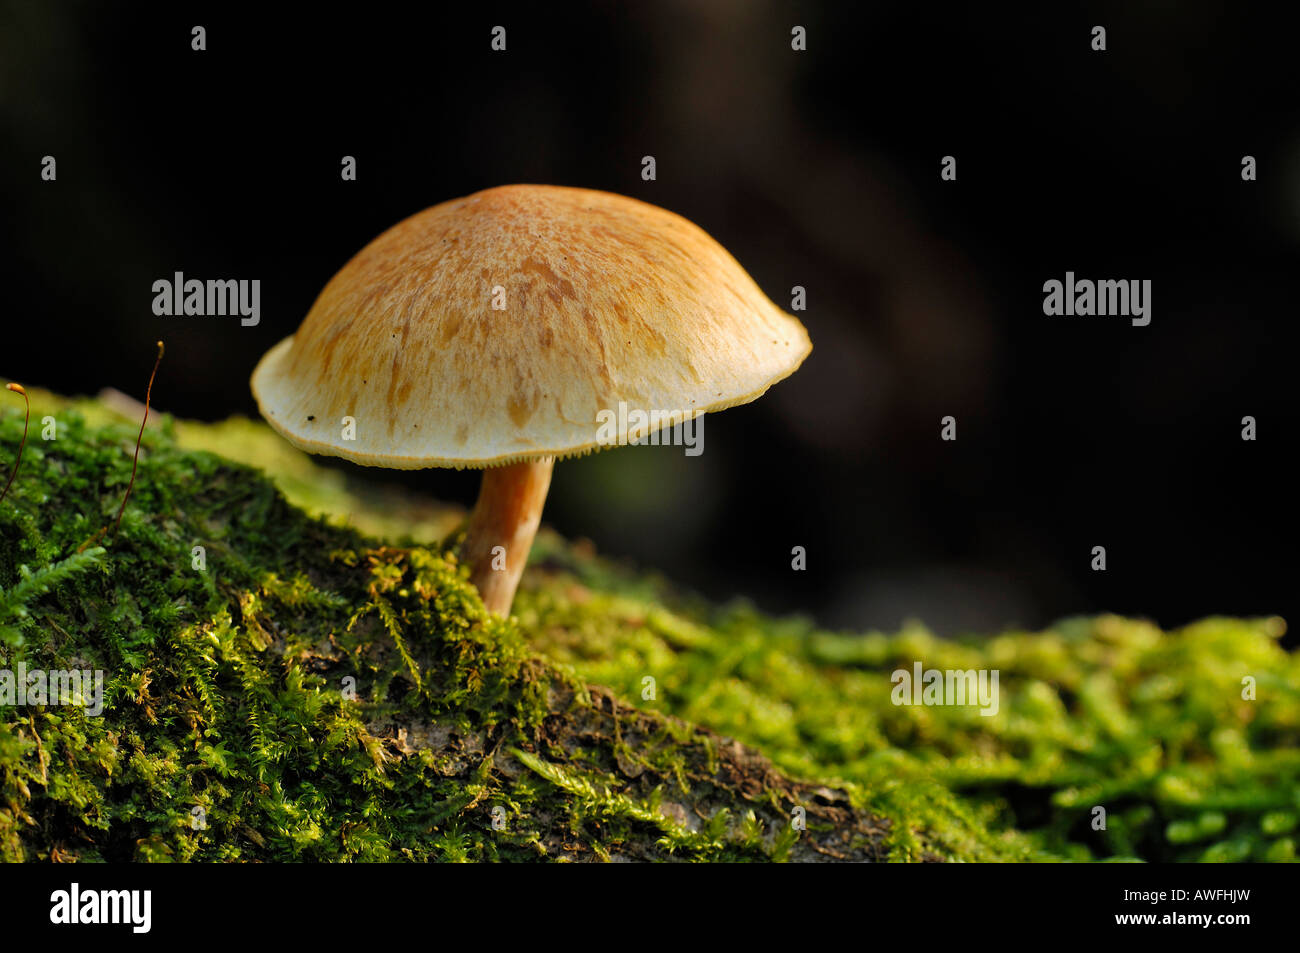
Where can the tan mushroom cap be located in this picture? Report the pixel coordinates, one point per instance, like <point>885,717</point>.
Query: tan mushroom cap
<point>607,299</point>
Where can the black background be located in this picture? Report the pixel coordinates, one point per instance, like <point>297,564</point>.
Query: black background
<point>817,168</point>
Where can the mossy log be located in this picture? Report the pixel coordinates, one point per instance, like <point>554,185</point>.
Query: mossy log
<point>281,686</point>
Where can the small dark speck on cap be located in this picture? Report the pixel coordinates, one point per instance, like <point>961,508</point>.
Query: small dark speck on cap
<point>311,416</point>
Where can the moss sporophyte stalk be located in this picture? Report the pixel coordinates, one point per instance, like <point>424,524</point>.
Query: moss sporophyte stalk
<point>321,691</point>
<point>22,443</point>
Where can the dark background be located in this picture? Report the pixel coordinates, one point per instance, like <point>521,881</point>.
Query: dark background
<point>819,169</point>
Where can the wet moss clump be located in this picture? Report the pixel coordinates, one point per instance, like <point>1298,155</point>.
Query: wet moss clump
<point>310,684</point>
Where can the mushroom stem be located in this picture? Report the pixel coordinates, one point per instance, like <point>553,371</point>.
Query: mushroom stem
<point>507,514</point>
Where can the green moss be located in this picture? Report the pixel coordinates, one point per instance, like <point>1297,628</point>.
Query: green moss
<point>296,690</point>
<point>323,690</point>
<point>1103,712</point>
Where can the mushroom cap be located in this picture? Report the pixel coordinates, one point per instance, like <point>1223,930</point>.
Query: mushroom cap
<point>607,300</point>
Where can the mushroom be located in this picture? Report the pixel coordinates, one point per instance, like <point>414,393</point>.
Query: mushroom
<point>492,331</point>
